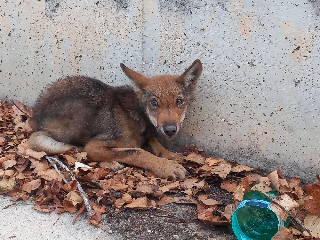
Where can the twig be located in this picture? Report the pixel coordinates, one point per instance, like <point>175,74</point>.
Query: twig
<point>82,193</point>
<point>56,168</point>
<point>57,220</point>
<point>157,208</point>
<point>5,207</point>
<point>297,222</point>
<point>14,103</point>
<point>78,214</point>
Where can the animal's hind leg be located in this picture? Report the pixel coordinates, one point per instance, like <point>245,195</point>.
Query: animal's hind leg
<point>42,141</point>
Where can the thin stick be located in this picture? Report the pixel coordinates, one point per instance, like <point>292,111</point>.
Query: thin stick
<point>297,222</point>
<point>56,168</point>
<point>82,193</point>
<point>14,103</point>
<point>78,214</point>
<point>157,208</point>
<point>57,220</point>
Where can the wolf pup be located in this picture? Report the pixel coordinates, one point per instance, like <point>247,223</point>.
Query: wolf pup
<point>116,123</point>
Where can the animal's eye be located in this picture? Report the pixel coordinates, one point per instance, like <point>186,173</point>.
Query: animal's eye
<point>179,101</point>
<point>154,102</point>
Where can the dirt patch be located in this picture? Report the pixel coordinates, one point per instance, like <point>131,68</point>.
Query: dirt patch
<point>175,222</point>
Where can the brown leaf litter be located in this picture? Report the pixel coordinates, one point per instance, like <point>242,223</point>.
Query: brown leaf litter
<point>25,173</point>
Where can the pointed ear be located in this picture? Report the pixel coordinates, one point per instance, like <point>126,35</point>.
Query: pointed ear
<point>190,77</point>
<point>140,80</point>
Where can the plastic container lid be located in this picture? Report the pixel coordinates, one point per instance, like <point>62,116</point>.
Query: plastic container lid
<point>257,219</point>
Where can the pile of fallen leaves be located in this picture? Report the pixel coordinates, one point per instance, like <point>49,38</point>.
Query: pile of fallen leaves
<point>26,174</point>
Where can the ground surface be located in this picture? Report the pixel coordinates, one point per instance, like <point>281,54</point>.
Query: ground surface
<point>20,221</point>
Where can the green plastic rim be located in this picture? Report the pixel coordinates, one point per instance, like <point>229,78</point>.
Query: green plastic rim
<point>234,221</point>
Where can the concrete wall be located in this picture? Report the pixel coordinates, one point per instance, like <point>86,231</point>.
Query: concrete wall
<point>258,100</point>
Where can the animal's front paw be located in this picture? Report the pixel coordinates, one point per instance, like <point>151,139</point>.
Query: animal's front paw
<point>171,170</point>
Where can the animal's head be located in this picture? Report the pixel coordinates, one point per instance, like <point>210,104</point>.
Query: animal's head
<point>165,98</point>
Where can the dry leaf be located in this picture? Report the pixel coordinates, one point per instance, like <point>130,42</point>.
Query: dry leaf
<point>165,200</point>
<point>127,198</point>
<point>70,186</point>
<point>282,234</point>
<point>10,156</point>
<point>193,182</point>
<point>50,192</point>
<point>23,146</point>
<point>119,187</point>
<point>98,211</point>
<point>230,186</point>
<point>208,202</point>
<point>70,160</point>
<point>57,204</point>
<point>148,189</point>
<point>242,188</point>
<point>313,203</point>
<point>43,208</point>
<point>119,203</point>
<point>7,185</point>
<point>8,164</point>
<point>295,231</point>
<point>312,222</point>
<point>32,185</point>
<point>39,165</point>
<point>2,160</point>
<point>239,193</point>
<point>50,174</point>
<point>241,168</point>
<point>263,185</point>
<point>286,202</point>
<point>206,216</point>
<point>81,156</point>
<point>295,187</point>
<point>212,161</point>
<point>222,170</point>
<point>23,109</point>
<point>23,127</point>
<point>37,155</point>
<point>139,203</point>
<point>277,179</point>
<point>71,201</point>
<point>97,174</point>
<point>170,186</point>
<point>194,185</point>
<point>228,211</point>
<point>283,214</point>
<point>74,198</point>
<point>197,158</point>
<point>2,140</point>
<point>188,192</point>
<point>253,176</point>
<point>6,173</point>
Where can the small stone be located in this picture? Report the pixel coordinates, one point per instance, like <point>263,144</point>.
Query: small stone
<point>175,236</point>
<point>149,231</point>
<point>110,231</point>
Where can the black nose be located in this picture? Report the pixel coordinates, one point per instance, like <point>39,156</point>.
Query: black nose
<point>170,130</point>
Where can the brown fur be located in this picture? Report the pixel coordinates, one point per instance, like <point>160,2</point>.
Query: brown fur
<point>113,123</point>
